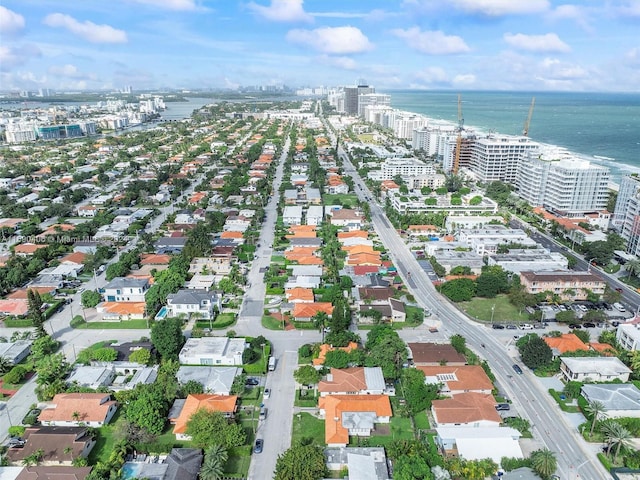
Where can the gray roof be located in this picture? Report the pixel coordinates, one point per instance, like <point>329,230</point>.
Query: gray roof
<point>127,282</point>
<point>176,408</point>
<point>184,464</point>
<point>358,420</point>
<point>305,242</point>
<point>89,376</point>
<point>191,296</point>
<point>603,366</point>
<point>374,379</point>
<point>11,350</point>
<point>171,242</point>
<point>614,396</point>
<point>359,461</point>
<point>213,379</point>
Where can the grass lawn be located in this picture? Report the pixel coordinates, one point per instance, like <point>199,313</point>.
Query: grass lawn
<point>271,323</point>
<point>128,324</point>
<point>306,425</point>
<point>399,429</point>
<point>612,268</point>
<point>480,308</point>
<point>340,199</point>
<point>222,320</point>
<point>421,421</point>
<point>308,400</point>
<point>237,465</point>
<point>104,441</point>
<point>415,316</point>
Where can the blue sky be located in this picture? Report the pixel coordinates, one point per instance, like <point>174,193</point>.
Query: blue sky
<point>589,45</point>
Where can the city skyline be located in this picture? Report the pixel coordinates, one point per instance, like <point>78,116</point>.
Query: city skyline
<point>421,44</point>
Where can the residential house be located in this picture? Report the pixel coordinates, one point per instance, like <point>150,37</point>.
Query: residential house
<point>569,285</point>
<point>61,445</point>
<point>90,376</point>
<point>87,211</point>
<point>85,246</point>
<point>435,354</point>
<point>170,244</point>
<point>567,342</point>
<point>54,472</point>
<point>352,415</point>
<point>27,249</point>
<point>154,259</point>
<point>74,258</point>
<point>180,464</point>
<point>194,301</point>
<point>315,215</point>
<point>70,409</point>
<point>479,443</point>
<point>218,380</point>
<point>212,351</point>
<point>621,400</point>
<point>226,404</point>
<point>456,379</point>
<point>347,218</point>
<point>215,264</point>
<point>292,215</point>
<point>593,369</point>
<point>466,410</point>
<point>121,311</point>
<point>391,311</point>
<point>126,289</point>
<point>362,463</point>
<point>15,352</point>
<point>299,295</point>
<point>14,307</point>
<point>353,381</point>
<point>304,312</point>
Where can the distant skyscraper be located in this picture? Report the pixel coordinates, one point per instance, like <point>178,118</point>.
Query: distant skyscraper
<point>351,95</point>
<point>367,99</point>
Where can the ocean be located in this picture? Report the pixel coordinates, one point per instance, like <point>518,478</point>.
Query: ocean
<point>606,125</point>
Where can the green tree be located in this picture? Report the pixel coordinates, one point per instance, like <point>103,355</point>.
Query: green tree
<point>167,337</point>
<point>207,428</point>
<point>301,462</point>
<point>385,349</point>
<point>492,281</point>
<point>148,409</point>
<point>566,317</point>
<point>534,352</point>
<point>191,387</point>
<point>141,355</point>
<point>583,335</point>
<point>43,346</point>
<point>498,191</point>
<point>459,289</point>
<point>544,463</point>
<point>617,437</point>
<point>336,359</point>
<point>15,375</point>
<point>459,343</point>
<point>34,301</point>
<point>215,458</point>
<point>597,410</point>
<point>417,394</point>
<point>307,375</point>
<point>90,298</point>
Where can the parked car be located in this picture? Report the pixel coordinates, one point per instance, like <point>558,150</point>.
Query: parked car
<point>618,306</point>
<point>526,326</point>
<point>263,413</point>
<point>512,327</point>
<point>497,326</point>
<point>257,448</point>
<point>266,394</point>
<point>589,325</point>
<point>503,406</point>
<point>576,326</point>
<point>16,442</point>
<point>252,382</point>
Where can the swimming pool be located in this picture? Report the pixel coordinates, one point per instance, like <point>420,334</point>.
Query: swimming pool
<point>162,313</point>
<point>149,471</point>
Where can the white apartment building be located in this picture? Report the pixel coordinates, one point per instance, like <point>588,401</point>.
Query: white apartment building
<point>368,99</point>
<point>626,217</point>
<point>497,157</point>
<point>433,138</point>
<point>376,113</point>
<point>406,167</point>
<point>485,241</point>
<point>628,336</point>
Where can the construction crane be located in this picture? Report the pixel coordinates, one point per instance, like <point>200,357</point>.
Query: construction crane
<point>456,159</point>
<point>525,129</point>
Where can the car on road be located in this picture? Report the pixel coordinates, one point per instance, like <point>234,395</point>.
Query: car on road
<point>263,413</point>
<point>517,369</point>
<point>576,326</point>
<point>497,326</point>
<point>589,325</point>
<point>266,394</point>
<point>257,448</point>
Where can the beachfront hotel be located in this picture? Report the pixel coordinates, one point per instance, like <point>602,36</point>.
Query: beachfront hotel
<point>626,218</point>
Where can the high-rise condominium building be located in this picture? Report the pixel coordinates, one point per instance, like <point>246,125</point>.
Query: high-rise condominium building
<point>562,183</point>
<point>496,157</point>
<point>351,95</point>
<point>626,218</point>
<point>367,99</point>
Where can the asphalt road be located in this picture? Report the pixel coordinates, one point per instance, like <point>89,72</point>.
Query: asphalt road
<point>549,426</point>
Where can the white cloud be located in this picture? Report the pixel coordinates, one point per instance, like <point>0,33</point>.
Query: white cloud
<point>88,30</point>
<point>432,42</point>
<point>432,75</point>
<point>332,40</point>
<point>464,79</point>
<point>10,21</point>
<point>498,8</point>
<point>549,42</point>
<point>70,71</point>
<point>186,5</point>
<point>631,8</point>
<point>282,11</point>
<point>571,12</point>
<point>554,69</point>
<point>13,56</point>
<point>346,63</point>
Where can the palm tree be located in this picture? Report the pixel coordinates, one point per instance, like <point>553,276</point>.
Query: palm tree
<point>598,410</point>
<point>215,458</point>
<point>635,361</point>
<point>618,436</point>
<point>633,268</point>
<point>544,462</point>
<point>5,365</point>
<point>34,458</point>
